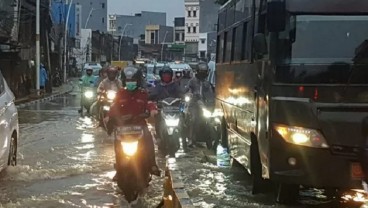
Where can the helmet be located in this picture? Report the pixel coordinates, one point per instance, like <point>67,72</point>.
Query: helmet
<point>112,73</point>
<point>131,78</point>
<point>166,74</point>
<point>89,71</point>
<point>202,71</point>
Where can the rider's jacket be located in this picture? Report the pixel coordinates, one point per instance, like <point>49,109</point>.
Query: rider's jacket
<point>87,81</point>
<point>106,84</point>
<point>162,91</point>
<point>131,103</point>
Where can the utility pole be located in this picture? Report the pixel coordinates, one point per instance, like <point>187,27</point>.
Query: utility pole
<point>66,37</point>
<point>38,46</point>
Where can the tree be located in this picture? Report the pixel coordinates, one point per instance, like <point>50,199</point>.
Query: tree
<point>221,2</point>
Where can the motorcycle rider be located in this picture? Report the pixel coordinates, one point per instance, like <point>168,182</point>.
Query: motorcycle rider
<point>166,88</point>
<point>88,79</point>
<point>110,82</point>
<point>102,75</point>
<point>203,95</point>
<point>133,100</point>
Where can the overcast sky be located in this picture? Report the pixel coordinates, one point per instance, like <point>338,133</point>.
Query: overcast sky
<point>173,8</point>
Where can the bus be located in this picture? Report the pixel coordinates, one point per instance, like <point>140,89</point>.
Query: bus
<point>292,82</point>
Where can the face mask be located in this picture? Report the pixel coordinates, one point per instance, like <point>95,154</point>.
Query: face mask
<point>131,86</point>
<point>166,78</point>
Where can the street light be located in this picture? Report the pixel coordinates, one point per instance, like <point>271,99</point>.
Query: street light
<point>121,37</point>
<point>162,47</point>
<point>89,16</point>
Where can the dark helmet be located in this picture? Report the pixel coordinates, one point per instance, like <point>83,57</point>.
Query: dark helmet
<point>166,74</point>
<point>202,70</point>
<point>89,71</point>
<point>131,73</point>
<point>112,73</point>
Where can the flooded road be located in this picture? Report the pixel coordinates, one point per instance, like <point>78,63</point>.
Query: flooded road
<point>65,160</point>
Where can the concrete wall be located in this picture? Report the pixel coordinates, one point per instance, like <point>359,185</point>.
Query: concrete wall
<point>98,19</point>
<point>139,22</point>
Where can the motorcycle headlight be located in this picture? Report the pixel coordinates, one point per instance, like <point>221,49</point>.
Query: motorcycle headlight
<point>106,108</point>
<point>172,122</point>
<point>88,94</point>
<point>187,98</point>
<point>206,113</point>
<point>130,148</point>
<point>301,136</point>
<point>111,95</point>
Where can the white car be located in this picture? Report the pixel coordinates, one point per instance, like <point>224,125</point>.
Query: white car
<point>9,127</point>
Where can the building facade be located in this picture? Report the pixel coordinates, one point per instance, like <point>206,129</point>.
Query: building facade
<point>179,30</point>
<point>94,14</point>
<point>135,25</point>
<point>192,14</point>
<point>158,34</point>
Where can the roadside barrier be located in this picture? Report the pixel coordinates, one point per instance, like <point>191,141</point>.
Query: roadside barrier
<point>175,195</point>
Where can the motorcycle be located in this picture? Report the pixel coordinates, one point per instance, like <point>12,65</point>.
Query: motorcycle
<point>171,127</point>
<point>106,99</point>
<point>209,125</point>
<point>88,97</point>
<point>133,174</point>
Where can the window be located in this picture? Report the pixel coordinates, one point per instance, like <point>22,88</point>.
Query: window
<point>244,54</point>
<point>152,38</point>
<point>182,37</point>
<point>238,43</point>
<point>188,29</point>
<point>2,85</point>
<point>194,29</point>
<point>202,54</point>
<point>228,46</point>
<point>223,44</point>
<point>103,5</point>
<point>77,44</point>
<point>103,19</point>
<point>189,13</point>
<point>177,36</point>
<point>194,13</point>
<point>233,45</point>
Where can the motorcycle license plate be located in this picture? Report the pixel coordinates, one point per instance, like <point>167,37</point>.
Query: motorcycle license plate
<point>125,130</point>
<point>356,171</point>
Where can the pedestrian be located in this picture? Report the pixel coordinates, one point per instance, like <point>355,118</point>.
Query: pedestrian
<point>212,73</point>
<point>43,78</point>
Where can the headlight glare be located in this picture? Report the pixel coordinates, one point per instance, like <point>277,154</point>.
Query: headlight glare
<point>206,113</point>
<point>301,136</point>
<point>129,148</point>
<point>111,94</point>
<point>88,94</point>
<point>172,122</point>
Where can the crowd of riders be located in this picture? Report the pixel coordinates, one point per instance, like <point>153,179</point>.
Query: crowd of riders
<point>132,98</point>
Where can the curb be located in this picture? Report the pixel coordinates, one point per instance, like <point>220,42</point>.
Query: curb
<point>44,99</point>
<point>175,195</point>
